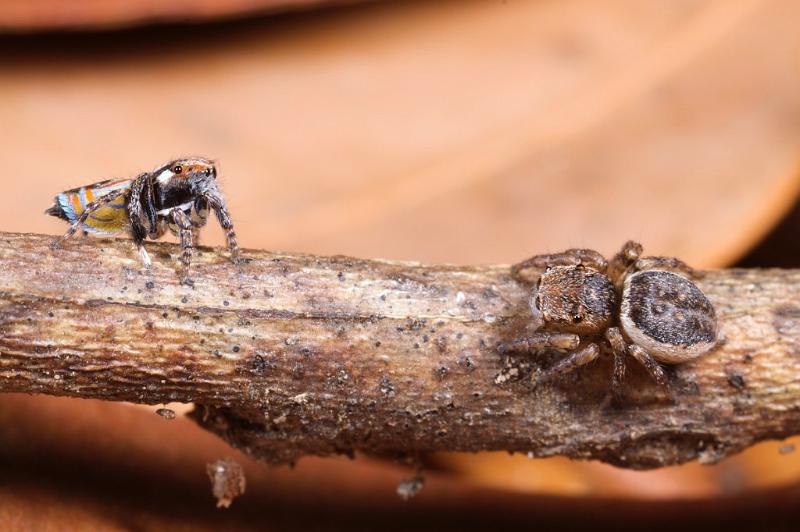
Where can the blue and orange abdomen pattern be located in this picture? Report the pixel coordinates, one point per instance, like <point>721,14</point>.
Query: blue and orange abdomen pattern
<point>111,218</point>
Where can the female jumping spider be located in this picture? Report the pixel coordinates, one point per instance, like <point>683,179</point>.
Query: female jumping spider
<point>645,307</point>
<point>176,196</point>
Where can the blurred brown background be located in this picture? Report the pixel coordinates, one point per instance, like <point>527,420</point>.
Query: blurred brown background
<point>465,132</point>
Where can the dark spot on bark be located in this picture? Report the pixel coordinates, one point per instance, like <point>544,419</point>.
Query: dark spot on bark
<point>415,325</point>
<point>686,387</point>
<point>442,371</point>
<point>441,344</point>
<point>385,387</point>
<point>184,300</point>
<point>466,362</point>
<point>165,315</point>
<point>236,349</point>
<point>377,344</point>
<point>736,380</point>
<point>150,285</point>
<point>258,364</point>
<point>226,303</point>
<point>50,315</point>
<point>340,276</point>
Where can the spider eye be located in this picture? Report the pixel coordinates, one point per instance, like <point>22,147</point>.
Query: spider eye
<point>177,169</point>
<point>207,171</point>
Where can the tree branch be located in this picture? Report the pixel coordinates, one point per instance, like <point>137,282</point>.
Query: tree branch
<point>290,355</point>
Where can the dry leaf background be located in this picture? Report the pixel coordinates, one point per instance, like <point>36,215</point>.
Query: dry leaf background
<point>464,132</point>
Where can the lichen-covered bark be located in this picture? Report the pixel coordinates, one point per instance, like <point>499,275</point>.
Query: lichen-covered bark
<point>288,355</point>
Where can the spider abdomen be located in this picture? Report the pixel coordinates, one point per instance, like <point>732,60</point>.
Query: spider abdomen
<point>668,315</point>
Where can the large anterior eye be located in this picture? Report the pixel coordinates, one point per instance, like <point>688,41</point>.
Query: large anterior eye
<point>207,172</point>
<point>177,169</point>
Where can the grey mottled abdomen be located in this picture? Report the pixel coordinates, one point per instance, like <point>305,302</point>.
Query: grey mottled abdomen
<point>668,315</point>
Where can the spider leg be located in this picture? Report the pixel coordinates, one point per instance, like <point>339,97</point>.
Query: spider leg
<point>619,349</point>
<point>571,257</point>
<point>143,253</point>
<point>226,223</point>
<point>623,261</point>
<point>542,340</point>
<point>88,211</point>
<point>665,263</point>
<point>136,215</point>
<point>573,361</point>
<point>650,364</point>
<point>199,216</point>
<point>184,223</point>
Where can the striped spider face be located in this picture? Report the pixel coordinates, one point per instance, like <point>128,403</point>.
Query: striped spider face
<point>176,196</point>
<point>193,172</point>
<point>179,184</point>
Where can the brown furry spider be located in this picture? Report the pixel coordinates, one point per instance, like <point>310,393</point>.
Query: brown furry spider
<point>645,307</point>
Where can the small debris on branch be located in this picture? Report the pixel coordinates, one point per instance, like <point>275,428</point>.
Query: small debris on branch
<point>409,488</point>
<point>166,413</point>
<point>227,481</point>
<point>787,449</point>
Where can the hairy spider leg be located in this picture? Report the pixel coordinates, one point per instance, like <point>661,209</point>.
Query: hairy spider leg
<point>184,223</point>
<point>622,262</point>
<point>650,364</point>
<point>542,340</point>
<point>226,223</point>
<point>136,214</point>
<point>571,257</point>
<point>619,349</point>
<point>572,362</point>
<point>670,264</point>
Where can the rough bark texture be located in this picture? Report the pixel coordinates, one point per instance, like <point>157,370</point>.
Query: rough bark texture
<point>290,355</point>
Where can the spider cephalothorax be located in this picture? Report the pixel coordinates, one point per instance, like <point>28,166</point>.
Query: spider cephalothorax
<point>647,308</point>
<point>574,298</point>
<point>176,196</point>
